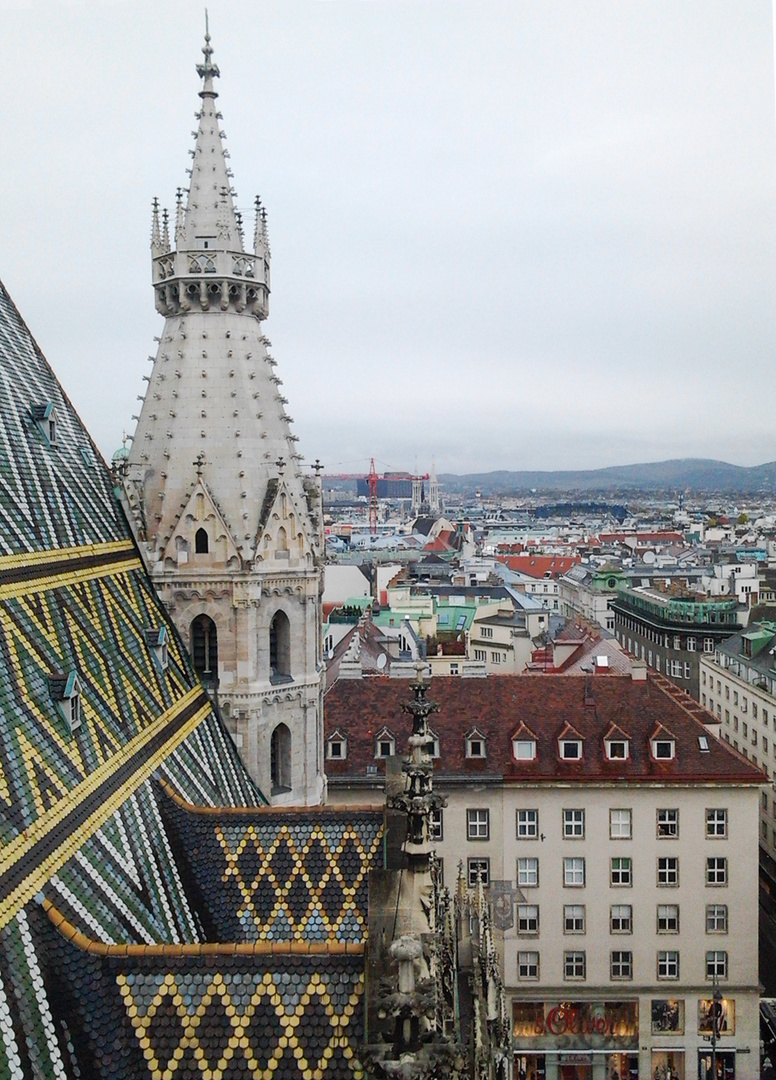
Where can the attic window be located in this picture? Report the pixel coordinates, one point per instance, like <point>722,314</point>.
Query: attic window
<point>703,744</point>
<point>524,749</point>
<point>663,749</point>
<point>434,747</point>
<point>617,749</point>
<point>475,745</point>
<point>66,692</point>
<point>385,744</point>
<point>46,418</point>
<point>156,640</point>
<point>570,749</point>
<point>337,747</point>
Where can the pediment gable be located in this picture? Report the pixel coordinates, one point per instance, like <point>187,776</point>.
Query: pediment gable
<point>201,515</point>
<point>282,539</point>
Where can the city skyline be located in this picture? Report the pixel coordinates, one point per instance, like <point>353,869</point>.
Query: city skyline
<point>508,236</point>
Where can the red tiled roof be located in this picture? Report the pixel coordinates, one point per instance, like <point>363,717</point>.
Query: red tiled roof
<point>537,566</point>
<point>498,705</point>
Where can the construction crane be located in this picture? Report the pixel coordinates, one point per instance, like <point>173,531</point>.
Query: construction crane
<point>372,478</point>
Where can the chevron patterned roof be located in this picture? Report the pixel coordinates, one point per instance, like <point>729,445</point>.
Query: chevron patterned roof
<point>112,875</point>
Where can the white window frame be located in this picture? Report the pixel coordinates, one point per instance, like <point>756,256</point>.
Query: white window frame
<point>716,918</point>
<point>478,824</point>
<point>570,749</point>
<point>716,959</point>
<point>574,919</point>
<point>528,920</point>
<point>668,918</point>
<point>621,965</point>
<point>716,871</point>
<point>663,749</point>
<point>528,966</point>
<point>667,824</point>
<point>574,824</point>
<point>475,865</point>
<point>617,749</point>
<point>668,964</point>
<point>527,824</point>
<point>574,965</point>
<point>623,871</point>
<point>574,872</point>
<point>716,823</point>
<point>620,919</point>
<point>528,873</point>
<point>524,749</point>
<point>475,746</point>
<point>667,872</point>
<point>620,824</point>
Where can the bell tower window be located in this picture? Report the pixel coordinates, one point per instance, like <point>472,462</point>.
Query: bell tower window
<point>201,542</point>
<point>280,759</point>
<point>204,648</point>
<point>280,648</point>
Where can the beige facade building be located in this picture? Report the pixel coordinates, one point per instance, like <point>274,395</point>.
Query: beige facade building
<point>229,528</point>
<point>618,841</point>
<point>738,685</point>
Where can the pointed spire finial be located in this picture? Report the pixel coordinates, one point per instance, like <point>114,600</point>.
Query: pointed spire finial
<point>208,71</point>
<point>156,236</point>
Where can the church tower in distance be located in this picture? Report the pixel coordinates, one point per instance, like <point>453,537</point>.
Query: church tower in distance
<point>229,527</point>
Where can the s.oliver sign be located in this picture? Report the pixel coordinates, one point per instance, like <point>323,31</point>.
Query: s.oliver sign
<point>580,1025</point>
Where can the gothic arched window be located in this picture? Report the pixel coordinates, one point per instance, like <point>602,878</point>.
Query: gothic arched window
<point>280,759</point>
<point>204,648</point>
<point>279,648</point>
<point>201,543</point>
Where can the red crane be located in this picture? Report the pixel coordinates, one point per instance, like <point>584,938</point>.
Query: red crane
<point>371,480</point>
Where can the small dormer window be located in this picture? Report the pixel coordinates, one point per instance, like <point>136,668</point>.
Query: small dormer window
<point>337,747</point>
<point>475,744</point>
<point>66,692</point>
<point>385,744</point>
<point>570,749</point>
<point>434,746</point>
<point>617,749</point>
<point>663,749</point>
<point>156,640</point>
<point>46,418</point>
<point>524,749</point>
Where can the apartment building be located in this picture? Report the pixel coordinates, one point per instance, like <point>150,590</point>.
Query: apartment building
<point>604,819</point>
<point>738,685</point>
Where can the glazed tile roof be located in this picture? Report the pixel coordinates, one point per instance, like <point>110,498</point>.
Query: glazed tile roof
<point>109,958</point>
<point>498,705</point>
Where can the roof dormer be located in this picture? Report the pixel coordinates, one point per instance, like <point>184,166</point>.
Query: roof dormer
<point>385,743</point>
<point>616,744</point>
<point>337,746</point>
<point>45,416</point>
<point>662,744</point>
<point>570,744</point>
<point>65,689</point>
<point>524,744</point>
<point>156,640</point>
<point>475,744</point>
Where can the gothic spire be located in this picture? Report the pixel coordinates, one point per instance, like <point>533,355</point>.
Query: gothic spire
<point>210,215</point>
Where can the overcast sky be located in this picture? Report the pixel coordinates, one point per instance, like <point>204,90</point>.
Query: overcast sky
<point>510,235</point>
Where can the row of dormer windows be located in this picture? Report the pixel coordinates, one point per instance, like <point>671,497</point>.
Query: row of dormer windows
<point>524,748</point>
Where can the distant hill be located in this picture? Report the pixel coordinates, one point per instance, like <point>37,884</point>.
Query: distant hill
<point>681,474</point>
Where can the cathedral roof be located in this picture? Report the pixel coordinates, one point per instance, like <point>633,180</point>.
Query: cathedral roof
<point>113,958</point>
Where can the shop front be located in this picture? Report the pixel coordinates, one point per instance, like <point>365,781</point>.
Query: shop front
<point>575,1040</point>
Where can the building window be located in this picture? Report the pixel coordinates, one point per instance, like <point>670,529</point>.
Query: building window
<point>574,873</point>
<point>663,749</point>
<point>616,749</point>
<point>527,872</point>
<point>156,640</point>
<point>436,825</point>
<point>668,872</point>
<point>475,745</point>
<point>527,824</point>
<point>495,658</point>
<point>574,824</point>
<point>480,654</point>
<point>667,824</point>
<point>620,872</point>
<point>486,631</point>
<point>204,648</point>
<point>690,644</point>
<point>716,964</point>
<point>201,542</point>
<point>716,871</point>
<point>716,823</point>
<point>478,870</point>
<point>668,965</point>
<point>620,824</point>
<point>524,749</point>
<point>570,749</point>
<point>574,965</point>
<point>279,648</point>
<point>708,645</point>
<point>621,919</point>
<point>66,692</point>
<point>527,918</point>
<point>280,759</point>
<point>668,918</point>
<point>716,919</point>
<point>385,744</point>
<point>478,824</point>
<point>336,747</point>
<point>573,918</point>
<point>621,965</point>
<point>528,965</point>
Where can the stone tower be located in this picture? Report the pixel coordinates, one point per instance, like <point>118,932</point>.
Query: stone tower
<point>230,529</point>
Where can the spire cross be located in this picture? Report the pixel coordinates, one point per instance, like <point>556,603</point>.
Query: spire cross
<point>208,70</point>
<point>199,463</point>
